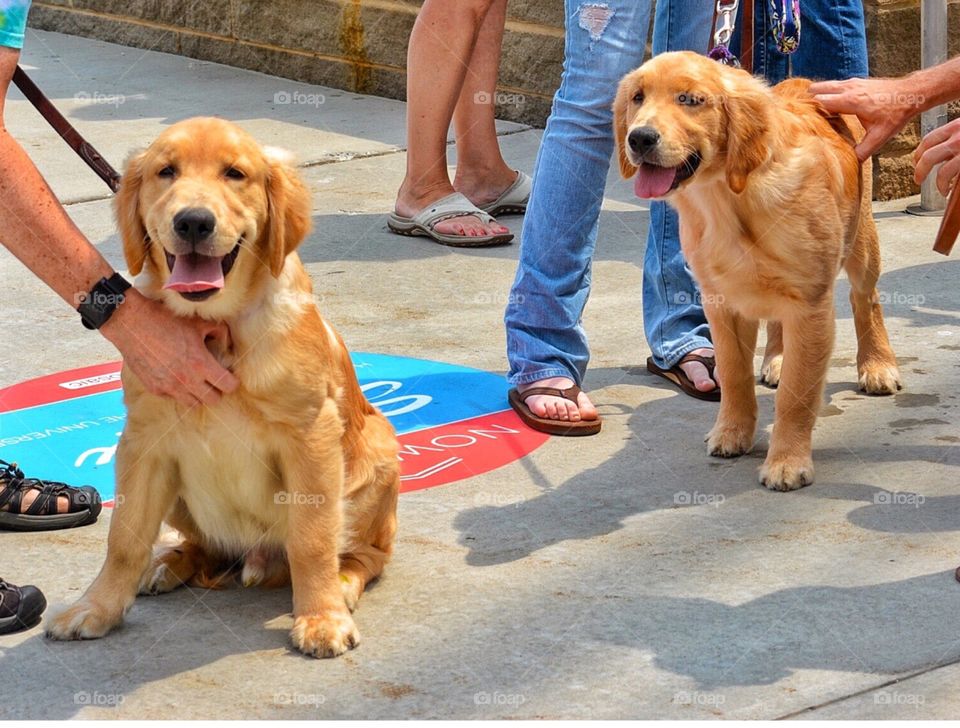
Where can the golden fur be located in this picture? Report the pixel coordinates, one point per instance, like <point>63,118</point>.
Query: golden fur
<point>778,204</point>
<point>295,475</point>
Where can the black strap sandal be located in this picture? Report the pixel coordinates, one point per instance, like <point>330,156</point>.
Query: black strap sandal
<point>20,607</point>
<point>42,515</point>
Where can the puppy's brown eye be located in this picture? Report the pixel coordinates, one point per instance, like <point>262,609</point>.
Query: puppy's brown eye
<point>638,97</point>
<point>167,171</point>
<point>690,99</point>
<point>234,173</point>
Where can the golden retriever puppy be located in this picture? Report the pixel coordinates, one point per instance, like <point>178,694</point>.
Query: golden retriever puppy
<point>295,472</point>
<point>772,203</point>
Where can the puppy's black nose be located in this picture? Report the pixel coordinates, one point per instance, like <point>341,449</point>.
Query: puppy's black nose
<point>643,139</point>
<point>194,224</point>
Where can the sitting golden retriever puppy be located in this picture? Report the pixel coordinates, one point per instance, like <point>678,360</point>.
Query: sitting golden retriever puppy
<point>295,475</point>
<point>772,203</point>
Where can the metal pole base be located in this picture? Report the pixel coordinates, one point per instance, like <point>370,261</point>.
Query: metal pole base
<point>917,209</point>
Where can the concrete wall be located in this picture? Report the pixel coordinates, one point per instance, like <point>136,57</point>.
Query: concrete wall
<point>361,45</point>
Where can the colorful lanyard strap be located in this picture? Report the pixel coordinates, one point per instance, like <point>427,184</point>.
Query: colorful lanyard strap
<point>786,24</point>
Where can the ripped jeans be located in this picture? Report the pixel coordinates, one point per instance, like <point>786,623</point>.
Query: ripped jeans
<point>605,39</point>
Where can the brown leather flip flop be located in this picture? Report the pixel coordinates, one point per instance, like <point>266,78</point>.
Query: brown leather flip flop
<point>552,427</point>
<point>677,376</point>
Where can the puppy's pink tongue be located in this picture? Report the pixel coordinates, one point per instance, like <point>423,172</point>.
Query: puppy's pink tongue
<point>653,181</point>
<point>193,272</point>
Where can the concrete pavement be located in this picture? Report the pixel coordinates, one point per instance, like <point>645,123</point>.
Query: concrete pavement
<point>625,575</point>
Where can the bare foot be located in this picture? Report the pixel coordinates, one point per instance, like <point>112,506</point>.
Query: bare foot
<point>412,201</point>
<point>558,408</point>
<point>698,372</point>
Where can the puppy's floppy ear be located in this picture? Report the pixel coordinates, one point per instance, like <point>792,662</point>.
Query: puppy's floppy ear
<point>748,119</point>
<point>126,206</point>
<point>621,105</point>
<point>288,210</point>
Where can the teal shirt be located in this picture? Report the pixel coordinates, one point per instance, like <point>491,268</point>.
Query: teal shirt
<point>13,22</point>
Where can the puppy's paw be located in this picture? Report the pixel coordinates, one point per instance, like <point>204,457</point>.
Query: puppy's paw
<point>880,379</point>
<point>82,621</point>
<point>729,441</point>
<point>170,568</point>
<point>351,588</point>
<point>325,635</point>
<point>770,372</point>
<point>787,473</point>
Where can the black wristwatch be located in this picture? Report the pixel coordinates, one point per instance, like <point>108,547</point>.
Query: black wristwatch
<point>98,306</point>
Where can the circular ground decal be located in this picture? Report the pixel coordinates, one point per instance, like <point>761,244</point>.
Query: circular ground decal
<point>452,421</point>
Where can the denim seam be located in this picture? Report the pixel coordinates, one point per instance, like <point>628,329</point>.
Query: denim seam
<point>521,379</point>
<point>684,350</point>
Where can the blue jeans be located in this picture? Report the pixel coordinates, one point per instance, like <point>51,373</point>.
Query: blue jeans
<point>604,41</point>
<point>833,42</point>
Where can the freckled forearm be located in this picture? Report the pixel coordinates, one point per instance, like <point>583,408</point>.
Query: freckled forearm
<point>37,230</point>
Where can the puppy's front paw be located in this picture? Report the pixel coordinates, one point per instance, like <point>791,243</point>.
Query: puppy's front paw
<point>770,372</point>
<point>82,621</point>
<point>729,441</point>
<point>787,473</point>
<point>880,379</point>
<point>325,635</point>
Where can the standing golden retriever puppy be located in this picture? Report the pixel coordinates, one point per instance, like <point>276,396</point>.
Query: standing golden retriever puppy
<point>295,475</point>
<point>772,203</point>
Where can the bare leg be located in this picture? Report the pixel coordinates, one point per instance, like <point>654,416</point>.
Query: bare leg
<point>482,175</point>
<point>441,46</point>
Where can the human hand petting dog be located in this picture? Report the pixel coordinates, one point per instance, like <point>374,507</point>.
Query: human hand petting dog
<point>168,353</point>
<point>885,105</point>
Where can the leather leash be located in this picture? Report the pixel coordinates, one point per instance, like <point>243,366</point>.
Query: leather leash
<point>950,225</point>
<point>66,130</point>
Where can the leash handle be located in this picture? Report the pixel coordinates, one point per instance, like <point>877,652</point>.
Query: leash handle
<point>66,130</point>
<point>950,225</point>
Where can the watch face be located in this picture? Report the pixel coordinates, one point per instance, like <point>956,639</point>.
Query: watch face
<point>98,305</point>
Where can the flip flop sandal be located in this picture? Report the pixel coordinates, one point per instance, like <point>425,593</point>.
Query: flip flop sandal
<point>455,205</point>
<point>677,376</point>
<point>42,514</point>
<point>514,199</point>
<point>552,427</point>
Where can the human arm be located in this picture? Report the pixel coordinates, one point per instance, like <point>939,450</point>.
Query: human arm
<point>166,352</point>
